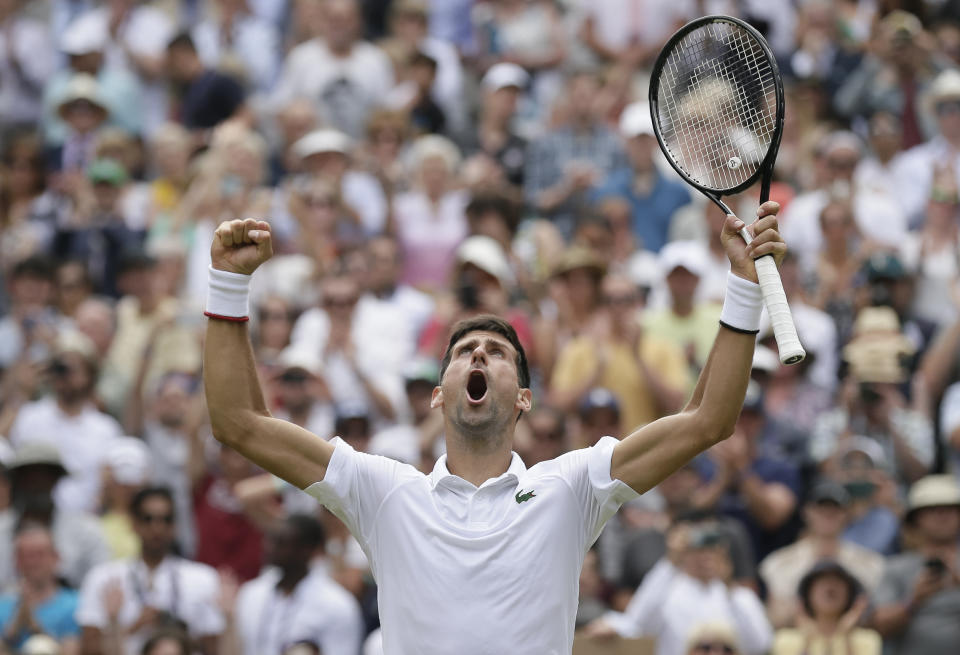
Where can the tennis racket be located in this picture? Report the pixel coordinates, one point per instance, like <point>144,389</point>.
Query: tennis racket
<point>717,104</point>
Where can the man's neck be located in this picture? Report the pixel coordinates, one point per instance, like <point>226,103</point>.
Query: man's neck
<point>72,406</point>
<point>824,545</point>
<point>291,577</point>
<point>152,560</point>
<point>474,465</point>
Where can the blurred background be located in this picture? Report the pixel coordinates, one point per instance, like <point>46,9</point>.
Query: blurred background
<point>422,161</point>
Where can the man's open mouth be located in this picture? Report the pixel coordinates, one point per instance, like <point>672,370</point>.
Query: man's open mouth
<point>476,386</point>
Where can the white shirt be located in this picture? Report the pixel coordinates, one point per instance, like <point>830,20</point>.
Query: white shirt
<point>319,611</point>
<point>345,87</point>
<point>83,441</point>
<point>914,169</point>
<point>187,590</point>
<point>253,41</point>
<point>21,91</point>
<point>879,217</point>
<point>146,33</point>
<point>475,570</point>
<point>669,604</point>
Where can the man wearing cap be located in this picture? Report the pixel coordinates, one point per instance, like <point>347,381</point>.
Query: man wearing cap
<point>917,167</point>
<point>84,44</point>
<point>327,154</point>
<point>684,321</point>
<point>918,602</point>
<point>83,111</point>
<point>653,198</point>
<point>34,472</point>
<point>206,96</point>
<point>496,134</point>
<point>825,515</point>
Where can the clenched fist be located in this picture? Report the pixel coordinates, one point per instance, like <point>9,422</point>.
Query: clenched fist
<point>240,246</point>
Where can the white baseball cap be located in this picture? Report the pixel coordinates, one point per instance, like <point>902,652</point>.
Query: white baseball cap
<point>690,255</point>
<point>636,120</point>
<point>486,254</point>
<point>129,461</point>
<point>320,141</point>
<point>84,36</point>
<point>504,75</point>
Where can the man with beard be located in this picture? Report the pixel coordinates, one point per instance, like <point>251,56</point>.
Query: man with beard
<point>483,554</point>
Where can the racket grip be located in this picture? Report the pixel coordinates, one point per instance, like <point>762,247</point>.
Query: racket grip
<point>775,300</point>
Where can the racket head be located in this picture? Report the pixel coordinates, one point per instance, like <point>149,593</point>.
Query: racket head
<point>717,104</point>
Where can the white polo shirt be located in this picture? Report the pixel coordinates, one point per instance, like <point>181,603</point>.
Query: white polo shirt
<point>475,570</point>
<point>185,589</point>
<point>319,611</point>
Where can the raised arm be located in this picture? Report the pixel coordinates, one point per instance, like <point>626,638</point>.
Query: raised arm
<point>656,450</point>
<point>238,411</point>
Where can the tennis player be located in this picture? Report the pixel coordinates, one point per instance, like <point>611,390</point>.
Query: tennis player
<point>481,556</point>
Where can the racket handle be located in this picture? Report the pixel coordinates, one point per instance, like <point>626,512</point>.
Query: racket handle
<point>775,300</point>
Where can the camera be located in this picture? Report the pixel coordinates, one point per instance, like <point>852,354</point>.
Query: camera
<point>935,566</point>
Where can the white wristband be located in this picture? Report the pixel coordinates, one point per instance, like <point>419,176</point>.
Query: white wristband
<point>228,295</point>
<point>742,305</point>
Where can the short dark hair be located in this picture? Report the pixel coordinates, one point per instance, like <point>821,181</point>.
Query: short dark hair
<point>182,40</point>
<point>164,634</point>
<point>142,496</point>
<point>35,266</point>
<point>308,531</point>
<point>497,325</point>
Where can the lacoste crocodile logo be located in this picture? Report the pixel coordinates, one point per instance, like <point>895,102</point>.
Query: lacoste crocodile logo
<point>524,497</point>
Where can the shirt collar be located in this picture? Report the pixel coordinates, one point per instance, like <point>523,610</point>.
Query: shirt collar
<point>442,475</point>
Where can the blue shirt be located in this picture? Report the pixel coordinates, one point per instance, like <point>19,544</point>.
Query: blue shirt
<point>651,213</point>
<point>55,616</point>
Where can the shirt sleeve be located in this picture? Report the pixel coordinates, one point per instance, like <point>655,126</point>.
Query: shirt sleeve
<point>206,618</point>
<point>355,486</point>
<point>90,610</point>
<point>587,471</point>
<point>748,614</point>
<point>642,614</point>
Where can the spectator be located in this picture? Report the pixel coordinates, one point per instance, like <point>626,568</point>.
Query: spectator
<point>497,134</point>
<point>653,198</point>
<point>23,232</point>
<point>78,538</point>
<point>567,161</point>
<point>384,268</point>
<point>41,605</point>
<point>80,430</point>
<point>326,154</point>
<point>918,165</point>
<point>136,37</point>
<point>27,61</point>
<point>758,490</point>
<point>85,44</point>
<point>416,439</point>
<point>84,111</point>
<point>123,602</point>
<point>206,97</point>
<point>692,584</point>
<point>30,324</point>
<point>430,221</point>
<point>647,373</point>
<point>689,324</point>
<point>713,637</point>
<point>126,471</point>
<point>872,403</point>
<point>831,606</point>
<point>826,514</point>
<point>167,642</point>
<point>345,75</point>
<point>629,33</point>
<point>232,37</point>
<point>295,600</point>
<point>302,393</point>
<point>918,601</point>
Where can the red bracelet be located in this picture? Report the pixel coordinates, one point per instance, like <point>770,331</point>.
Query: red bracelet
<point>232,319</point>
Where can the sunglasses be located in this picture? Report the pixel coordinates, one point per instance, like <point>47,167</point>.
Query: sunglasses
<point>627,299</point>
<point>714,647</point>
<point>293,378</point>
<point>340,302</point>
<point>166,519</point>
<point>948,107</point>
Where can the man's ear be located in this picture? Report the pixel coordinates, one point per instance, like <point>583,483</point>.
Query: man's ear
<point>436,398</point>
<point>524,400</point>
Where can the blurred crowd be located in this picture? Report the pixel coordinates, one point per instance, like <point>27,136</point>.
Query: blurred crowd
<point>422,161</point>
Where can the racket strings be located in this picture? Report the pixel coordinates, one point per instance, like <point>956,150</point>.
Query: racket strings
<point>717,105</point>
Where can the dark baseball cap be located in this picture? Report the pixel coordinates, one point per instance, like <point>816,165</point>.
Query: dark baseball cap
<point>884,266</point>
<point>828,491</point>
